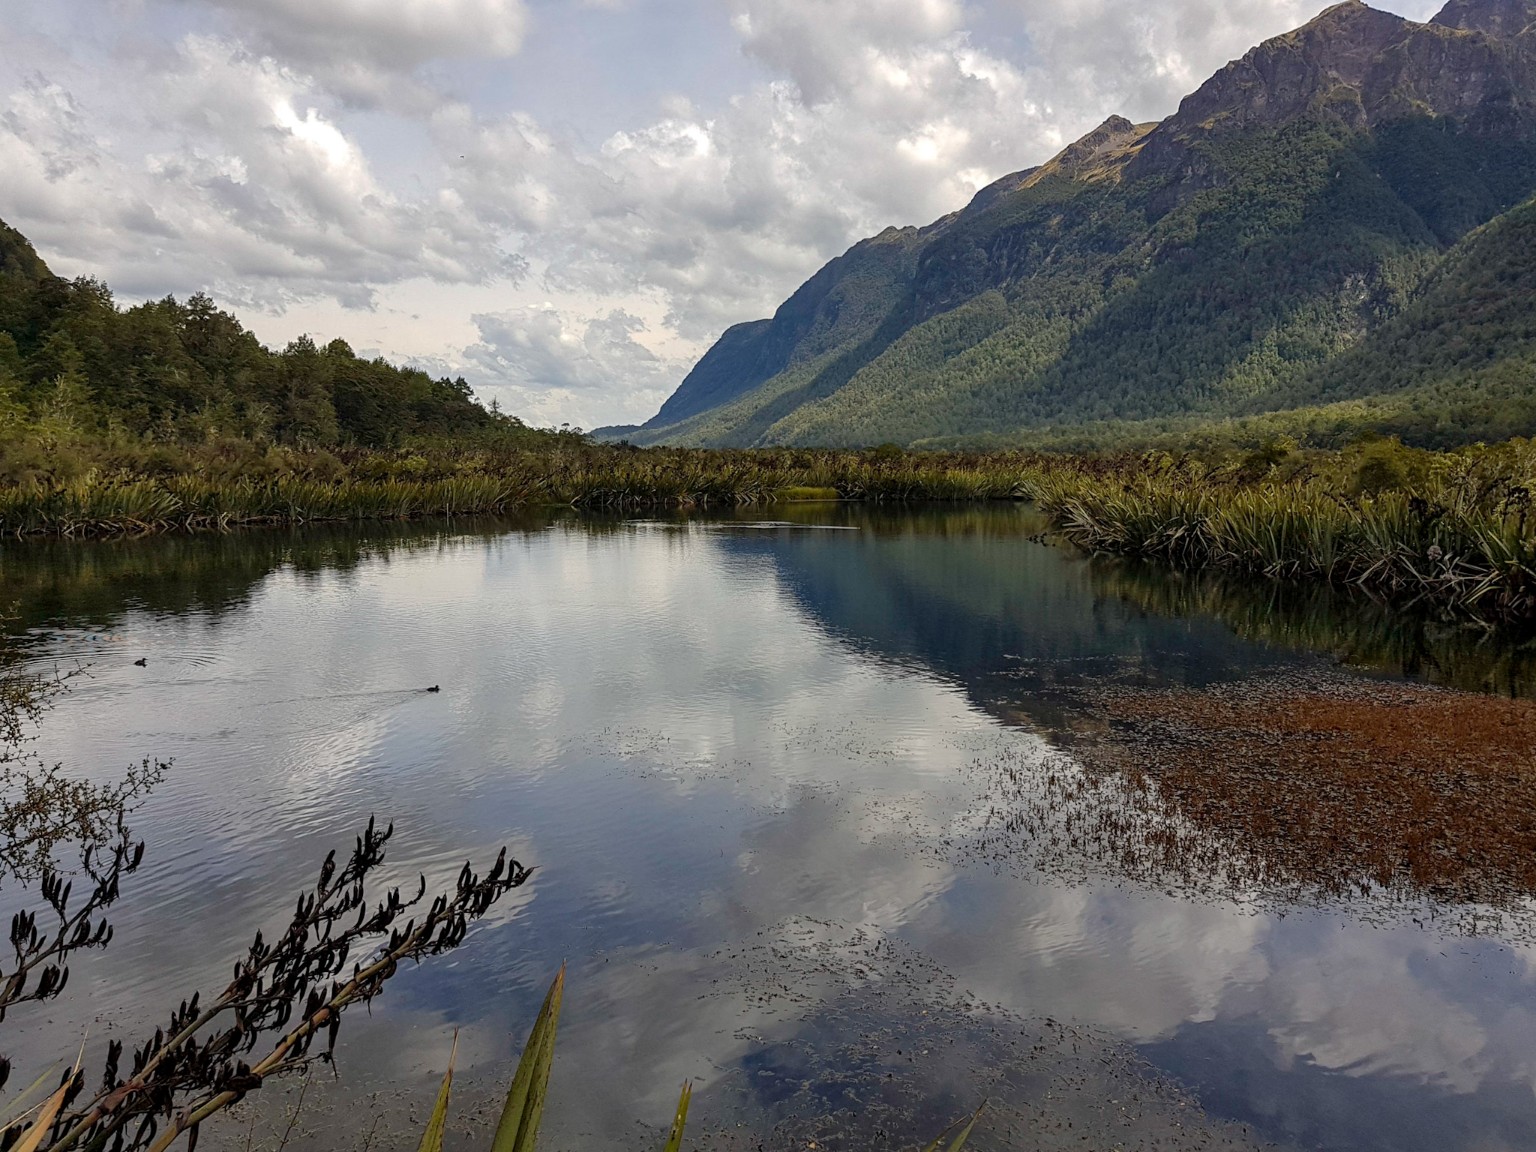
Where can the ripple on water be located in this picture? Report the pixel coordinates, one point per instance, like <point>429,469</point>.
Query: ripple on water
<point>790,796</point>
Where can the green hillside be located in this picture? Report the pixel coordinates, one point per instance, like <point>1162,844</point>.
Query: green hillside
<point>1292,250</point>
<point>71,359</point>
<point>18,259</point>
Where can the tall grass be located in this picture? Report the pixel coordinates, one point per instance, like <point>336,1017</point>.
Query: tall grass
<point>408,485</point>
<point>1460,534</point>
<point>1454,528</point>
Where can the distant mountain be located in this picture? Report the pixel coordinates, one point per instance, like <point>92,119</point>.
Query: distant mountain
<point>614,433</point>
<point>1298,242</point>
<point>841,306</point>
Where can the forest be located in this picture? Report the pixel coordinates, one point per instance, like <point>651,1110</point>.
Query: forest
<point>78,374</point>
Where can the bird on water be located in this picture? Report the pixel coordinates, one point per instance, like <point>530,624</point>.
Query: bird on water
<point>141,663</point>
<point>435,688</point>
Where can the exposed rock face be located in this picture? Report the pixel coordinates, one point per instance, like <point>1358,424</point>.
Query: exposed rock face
<point>1109,138</point>
<point>1367,68</point>
<point>1342,48</point>
<point>1501,18</point>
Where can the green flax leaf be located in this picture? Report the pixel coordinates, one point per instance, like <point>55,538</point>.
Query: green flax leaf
<point>432,1138</point>
<point>675,1137</point>
<point>524,1109</point>
<point>965,1133</point>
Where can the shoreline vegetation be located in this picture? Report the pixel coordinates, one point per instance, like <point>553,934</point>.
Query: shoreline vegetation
<point>1451,530</point>
<point>171,416</point>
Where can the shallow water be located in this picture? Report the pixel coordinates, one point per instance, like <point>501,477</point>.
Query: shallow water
<point>747,758</point>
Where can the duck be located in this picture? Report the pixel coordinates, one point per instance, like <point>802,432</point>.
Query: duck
<point>435,688</point>
<point>141,663</point>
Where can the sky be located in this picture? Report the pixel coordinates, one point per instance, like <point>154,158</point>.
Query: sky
<point>564,201</point>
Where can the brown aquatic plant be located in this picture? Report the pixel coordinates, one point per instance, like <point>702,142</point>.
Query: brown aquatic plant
<point>1292,790</point>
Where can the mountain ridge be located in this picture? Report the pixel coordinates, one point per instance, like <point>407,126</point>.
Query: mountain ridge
<point>1289,208</point>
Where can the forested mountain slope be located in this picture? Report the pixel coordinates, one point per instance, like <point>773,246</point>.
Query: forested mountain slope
<point>178,370</point>
<point>1299,235</point>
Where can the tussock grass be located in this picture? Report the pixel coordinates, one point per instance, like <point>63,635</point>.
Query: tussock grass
<point>1455,529</point>
<point>198,491</point>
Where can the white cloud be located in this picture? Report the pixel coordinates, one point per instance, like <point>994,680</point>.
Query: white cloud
<point>726,214</point>
<point>289,155</point>
<point>238,179</point>
<point>368,49</point>
<point>827,46</point>
<point>530,356</point>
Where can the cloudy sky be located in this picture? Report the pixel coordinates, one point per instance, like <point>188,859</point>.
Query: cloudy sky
<point>566,201</point>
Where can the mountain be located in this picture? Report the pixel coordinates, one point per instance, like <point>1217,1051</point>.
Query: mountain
<point>1273,249</point>
<point>841,305</point>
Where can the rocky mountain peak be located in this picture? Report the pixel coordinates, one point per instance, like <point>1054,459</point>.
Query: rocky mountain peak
<point>1369,68</point>
<point>1113,134</point>
<point>1282,77</point>
<point>1502,18</point>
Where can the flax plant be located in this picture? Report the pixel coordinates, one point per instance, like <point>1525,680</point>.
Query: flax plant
<point>522,1114</point>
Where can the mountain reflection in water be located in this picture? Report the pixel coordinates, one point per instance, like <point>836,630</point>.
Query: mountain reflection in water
<point>767,776</point>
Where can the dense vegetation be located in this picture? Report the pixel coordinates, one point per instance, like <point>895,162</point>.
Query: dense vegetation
<point>1354,260</point>
<point>1455,530</point>
<point>73,365</point>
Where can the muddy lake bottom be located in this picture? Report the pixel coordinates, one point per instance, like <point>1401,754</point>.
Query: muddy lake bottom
<point>855,819</point>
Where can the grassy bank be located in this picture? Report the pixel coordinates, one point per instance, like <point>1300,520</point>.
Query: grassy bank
<point>136,488</point>
<point>1452,528</point>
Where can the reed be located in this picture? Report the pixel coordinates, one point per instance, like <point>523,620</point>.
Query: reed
<point>408,485</point>
<point>1462,537</point>
<point>1454,529</point>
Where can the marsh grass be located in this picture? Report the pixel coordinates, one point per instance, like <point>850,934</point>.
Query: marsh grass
<point>1452,529</point>
<point>129,495</point>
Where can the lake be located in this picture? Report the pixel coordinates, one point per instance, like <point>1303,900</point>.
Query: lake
<point>828,815</point>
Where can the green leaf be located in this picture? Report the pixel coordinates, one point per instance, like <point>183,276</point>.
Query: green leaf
<point>524,1109</point>
<point>432,1138</point>
<point>675,1137</point>
<point>965,1133</point>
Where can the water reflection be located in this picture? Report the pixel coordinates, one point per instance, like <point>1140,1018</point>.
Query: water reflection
<point>743,759</point>
<point>1349,625</point>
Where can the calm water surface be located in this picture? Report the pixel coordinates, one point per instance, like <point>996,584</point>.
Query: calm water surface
<point>745,758</point>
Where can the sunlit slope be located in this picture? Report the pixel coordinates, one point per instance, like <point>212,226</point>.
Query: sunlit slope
<point>1251,254</point>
